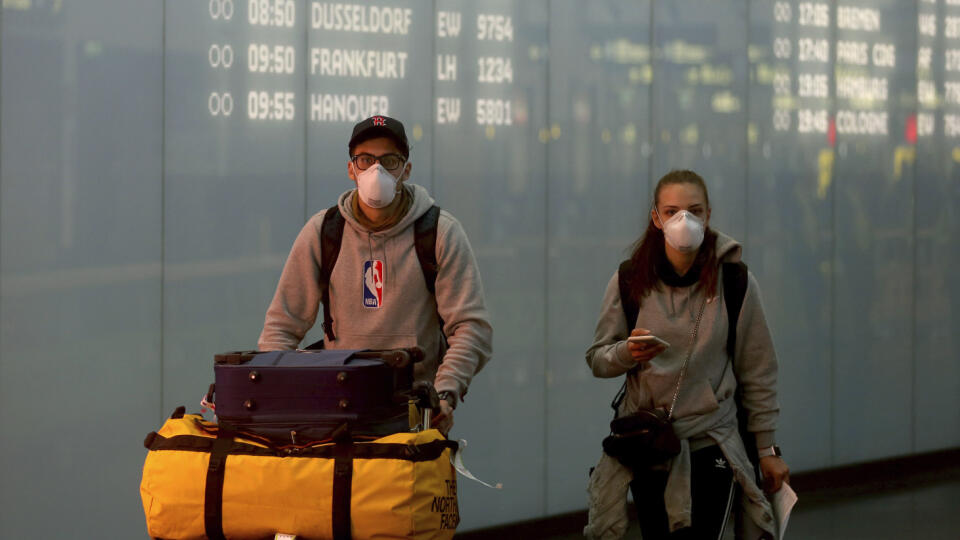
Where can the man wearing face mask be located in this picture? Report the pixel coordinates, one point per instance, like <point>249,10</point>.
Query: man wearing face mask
<point>379,291</point>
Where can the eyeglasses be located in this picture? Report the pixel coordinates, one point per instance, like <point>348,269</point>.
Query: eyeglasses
<point>389,161</point>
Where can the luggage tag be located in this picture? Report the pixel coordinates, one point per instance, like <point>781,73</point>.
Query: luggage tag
<point>206,404</point>
<point>457,460</point>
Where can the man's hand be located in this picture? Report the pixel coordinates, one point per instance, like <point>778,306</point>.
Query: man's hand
<point>775,473</point>
<point>443,417</point>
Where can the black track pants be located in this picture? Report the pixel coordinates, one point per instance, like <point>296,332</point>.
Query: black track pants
<point>711,486</point>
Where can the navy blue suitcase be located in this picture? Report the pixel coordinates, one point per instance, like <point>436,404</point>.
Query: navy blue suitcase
<point>295,397</point>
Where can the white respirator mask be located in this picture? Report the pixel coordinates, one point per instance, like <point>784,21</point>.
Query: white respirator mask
<point>377,187</point>
<point>683,231</point>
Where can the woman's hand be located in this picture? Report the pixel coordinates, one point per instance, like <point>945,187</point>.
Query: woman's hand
<point>775,473</point>
<point>643,352</point>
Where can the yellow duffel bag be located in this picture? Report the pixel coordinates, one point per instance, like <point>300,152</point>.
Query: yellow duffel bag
<point>199,482</point>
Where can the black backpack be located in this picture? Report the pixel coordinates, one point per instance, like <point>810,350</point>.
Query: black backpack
<point>734,289</point>
<point>331,236</point>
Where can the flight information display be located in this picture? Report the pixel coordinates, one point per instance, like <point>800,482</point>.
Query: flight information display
<point>845,50</point>
<point>349,54</point>
<point>356,55</point>
<point>267,58</point>
<point>288,61</point>
<point>863,57</point>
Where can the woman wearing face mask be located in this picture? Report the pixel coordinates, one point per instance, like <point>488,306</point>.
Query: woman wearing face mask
<point>674,276</point>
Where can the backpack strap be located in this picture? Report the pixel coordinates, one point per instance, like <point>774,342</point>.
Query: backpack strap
<point>734,289</point>
<point>631,309</point>
<point>331,236</point>
<point>425,241</point>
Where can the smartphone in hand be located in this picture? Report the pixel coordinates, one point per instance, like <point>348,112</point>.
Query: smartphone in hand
<point>648,339</point>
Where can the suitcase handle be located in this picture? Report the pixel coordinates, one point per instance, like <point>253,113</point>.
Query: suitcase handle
<point>426,395</point>
<point>396,358</point>
<point>427,400</point>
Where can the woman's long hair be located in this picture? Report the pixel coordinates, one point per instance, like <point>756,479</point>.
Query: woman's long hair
<point>650,247</point>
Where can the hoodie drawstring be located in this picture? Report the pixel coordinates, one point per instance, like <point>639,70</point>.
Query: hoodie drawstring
<point>383,250</point>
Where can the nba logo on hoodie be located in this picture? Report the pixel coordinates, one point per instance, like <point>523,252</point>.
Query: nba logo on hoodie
<point>373,284</point>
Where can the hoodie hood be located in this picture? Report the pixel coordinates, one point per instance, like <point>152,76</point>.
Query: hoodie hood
<point>422,201</point>
<point>728,249</point>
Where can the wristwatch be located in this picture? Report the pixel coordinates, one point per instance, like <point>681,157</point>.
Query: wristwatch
<point>449,397</point>
<point>769,451</point>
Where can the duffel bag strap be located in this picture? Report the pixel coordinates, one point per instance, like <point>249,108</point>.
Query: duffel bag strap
<point>342,480</point>
<point>213,497</point>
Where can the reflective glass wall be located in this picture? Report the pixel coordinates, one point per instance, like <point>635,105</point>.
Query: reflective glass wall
<point>157,160</point>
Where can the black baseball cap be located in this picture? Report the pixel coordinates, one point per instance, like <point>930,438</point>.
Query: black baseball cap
<point>380,126</point>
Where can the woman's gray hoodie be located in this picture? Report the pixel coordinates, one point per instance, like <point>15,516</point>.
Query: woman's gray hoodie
<point>408,312</point>
<point>705,413</point>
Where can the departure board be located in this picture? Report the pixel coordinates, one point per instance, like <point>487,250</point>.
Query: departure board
<point>294,63</point>
<point>313,69</point>
<point>274,45</point>
<point>251,49</point>
<point>864,58</point>
<point>354,58</point>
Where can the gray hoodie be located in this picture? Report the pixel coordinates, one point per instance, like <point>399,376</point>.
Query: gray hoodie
<point>671,313</point>
<point>408,312</point>
<point>704,412</point>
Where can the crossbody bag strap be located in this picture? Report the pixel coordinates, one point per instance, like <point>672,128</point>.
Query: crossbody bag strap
<point>618,399</point>
<point>683,369</point>
<point>622,393</point>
